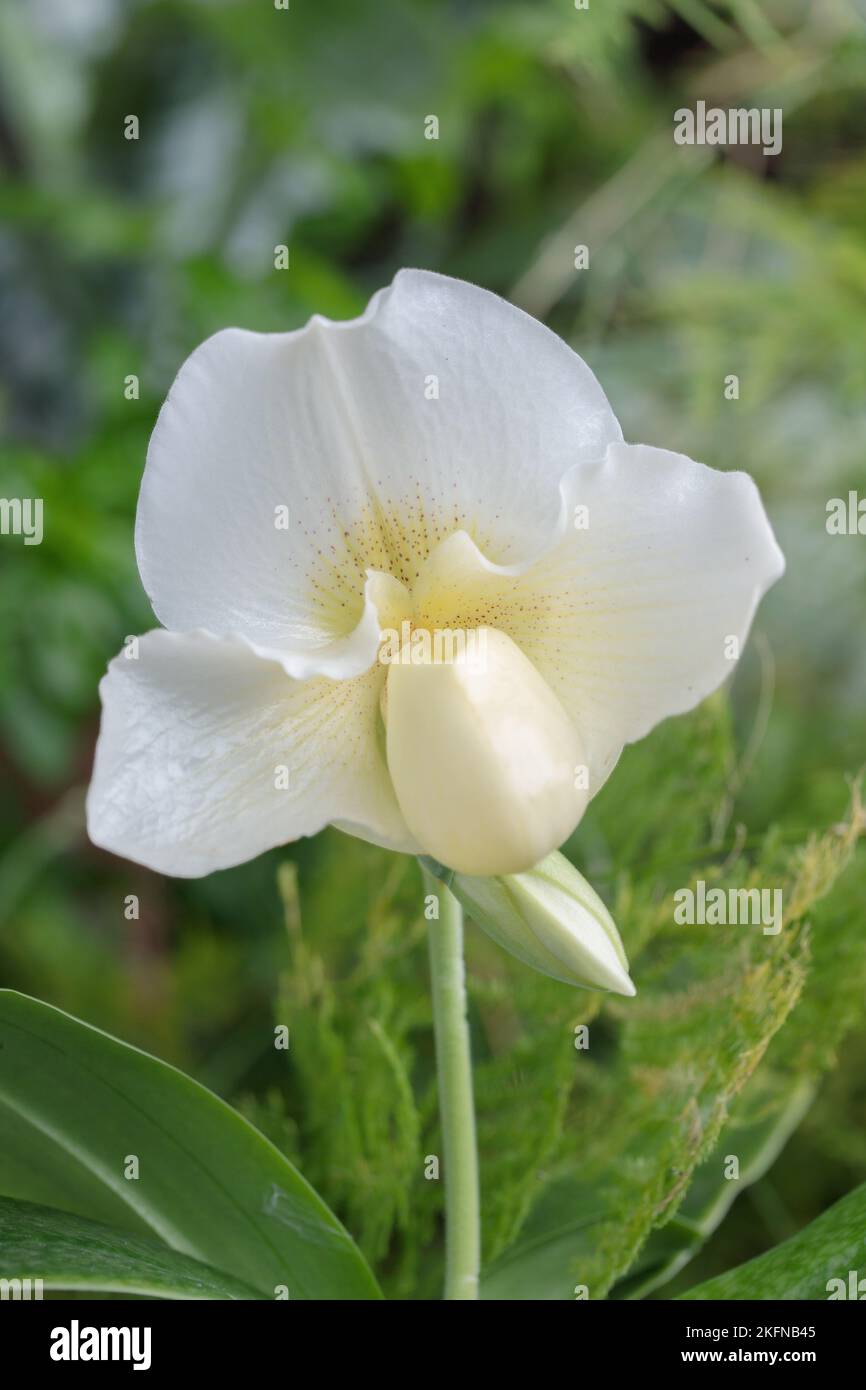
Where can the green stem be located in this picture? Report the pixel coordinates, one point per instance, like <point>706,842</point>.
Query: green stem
<point>456,1107</point>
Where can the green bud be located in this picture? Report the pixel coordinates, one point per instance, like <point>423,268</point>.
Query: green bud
<point>550,918</point>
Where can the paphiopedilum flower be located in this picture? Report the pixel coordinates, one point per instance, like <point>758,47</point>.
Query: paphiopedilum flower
<point>441,464</point>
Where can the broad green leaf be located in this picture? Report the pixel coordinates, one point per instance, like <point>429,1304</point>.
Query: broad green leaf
<point>831,1248</point>
<point>71,1252</point>
<point>30,1162</point>
<point>208,1184</point>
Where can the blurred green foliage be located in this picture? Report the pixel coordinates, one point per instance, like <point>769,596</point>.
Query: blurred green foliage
<point>306,127</point>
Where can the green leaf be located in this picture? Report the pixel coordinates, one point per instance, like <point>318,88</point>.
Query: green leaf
<point>802,1267</point>
<point>70,1252</point>
<point>761,1123</point>
<point>664,1073</point>
<point>558,1237</point>
<point>81,1104</point>
<point>357,992</point>
<point>776,1100</point>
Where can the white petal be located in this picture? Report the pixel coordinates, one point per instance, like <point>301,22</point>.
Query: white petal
<point>635,617</point>
<point>194,732</point>
<point>386,603</point>
<point>334,422</point>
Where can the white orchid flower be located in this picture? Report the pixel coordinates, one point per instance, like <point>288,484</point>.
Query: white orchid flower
<point>442,463</point>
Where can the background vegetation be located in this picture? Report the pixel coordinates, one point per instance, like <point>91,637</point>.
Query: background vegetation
<point>306,127</point>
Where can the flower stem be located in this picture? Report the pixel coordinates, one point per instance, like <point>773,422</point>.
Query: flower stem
<point>456,1107</point>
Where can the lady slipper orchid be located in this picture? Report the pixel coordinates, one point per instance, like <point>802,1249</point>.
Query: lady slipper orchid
<point>441,465</point>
